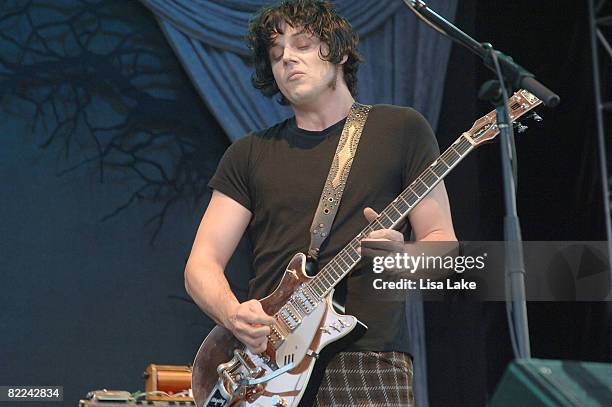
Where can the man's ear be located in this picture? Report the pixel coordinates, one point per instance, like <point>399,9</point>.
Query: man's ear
<point>344,59</point>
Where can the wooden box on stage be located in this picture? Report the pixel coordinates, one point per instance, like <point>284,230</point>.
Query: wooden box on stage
<point>171,379</point>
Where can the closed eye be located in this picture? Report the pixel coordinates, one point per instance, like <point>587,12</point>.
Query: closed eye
<point>276,54</point>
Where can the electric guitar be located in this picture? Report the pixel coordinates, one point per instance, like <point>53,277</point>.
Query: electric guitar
<point>307,329</point>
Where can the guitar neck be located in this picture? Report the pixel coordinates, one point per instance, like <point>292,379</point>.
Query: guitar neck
<point>484,129</point>
<point>392,215</point>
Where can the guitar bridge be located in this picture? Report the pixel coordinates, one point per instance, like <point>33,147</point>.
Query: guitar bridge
<point>269,376</point>
<point>233,373</point>
<point>245,374</point>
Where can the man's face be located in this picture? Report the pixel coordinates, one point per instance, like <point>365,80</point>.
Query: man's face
<point>300,73</point>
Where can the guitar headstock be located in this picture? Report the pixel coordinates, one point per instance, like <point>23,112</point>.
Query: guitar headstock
<point>485,128</point>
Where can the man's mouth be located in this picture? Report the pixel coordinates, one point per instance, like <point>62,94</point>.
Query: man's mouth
<point>295,75</point>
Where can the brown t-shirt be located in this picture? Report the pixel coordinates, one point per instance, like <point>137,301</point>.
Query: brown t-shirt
<point>278,175</point>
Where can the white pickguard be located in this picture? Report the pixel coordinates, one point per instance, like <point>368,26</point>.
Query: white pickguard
<point>296,345</point>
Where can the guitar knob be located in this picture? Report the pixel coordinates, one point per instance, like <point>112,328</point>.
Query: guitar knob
<point>344,323</point>
<point>278,401</point>
<point>536,117</point>
<point>520,127</point>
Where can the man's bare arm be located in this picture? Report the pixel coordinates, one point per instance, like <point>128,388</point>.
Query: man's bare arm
<point>430,220</point>
<point>221,228</point>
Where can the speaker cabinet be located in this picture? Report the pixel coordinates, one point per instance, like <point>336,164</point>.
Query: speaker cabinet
<point>538,382</point>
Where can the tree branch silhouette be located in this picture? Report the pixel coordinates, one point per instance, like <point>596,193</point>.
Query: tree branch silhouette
<point>92,80</point>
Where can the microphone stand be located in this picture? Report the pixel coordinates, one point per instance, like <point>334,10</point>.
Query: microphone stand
<point>515,76</point>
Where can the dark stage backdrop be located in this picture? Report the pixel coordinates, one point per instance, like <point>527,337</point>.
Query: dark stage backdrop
<point>105,151</point>
<point>558,193</point>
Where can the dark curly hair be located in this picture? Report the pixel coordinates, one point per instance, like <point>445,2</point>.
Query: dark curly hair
<point>316,17</point>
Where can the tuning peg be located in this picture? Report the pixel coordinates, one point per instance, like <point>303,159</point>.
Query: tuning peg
<point>520,127</point>
<point>536,117</point>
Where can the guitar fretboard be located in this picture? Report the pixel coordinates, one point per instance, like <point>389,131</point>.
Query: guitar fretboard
<point>391,216</point>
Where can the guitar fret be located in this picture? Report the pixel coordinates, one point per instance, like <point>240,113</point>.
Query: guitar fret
<point>335,276</point>
<point>344,261</point>
<point>351,253</point>
<point>402,204</point>
<point>430,174</point>
<point>419,189</point>
<point>324,278</point>
<point>414,195</point>
<point>429,179</point>
<point>333,271</point>
<point>402,208</point>
<point>460,147</point>
<point>440,168</point>
<point>321,284</point>
<point>348,260</point>
<point>376,222</point>
<point>464,146</point>
<point>452,154</point>
<point>317,286</point>
<point>387,219</point>
<point>411,197</point>
<point>311,289</point>
<point>447,158</point>
<point>338,275</point>
<point>392,207</point>
<point>313,286</point>
<point>442,161</point>
<point>323,287</point>
<point>469,147</point>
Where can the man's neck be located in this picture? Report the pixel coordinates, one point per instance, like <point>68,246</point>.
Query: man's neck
<point>325,112</point>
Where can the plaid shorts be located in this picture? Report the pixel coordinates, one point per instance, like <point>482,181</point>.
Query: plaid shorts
<point>367,379</point>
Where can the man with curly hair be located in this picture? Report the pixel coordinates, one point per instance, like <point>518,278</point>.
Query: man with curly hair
<point>269,184</point>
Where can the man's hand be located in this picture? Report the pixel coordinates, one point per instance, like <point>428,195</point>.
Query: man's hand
<point>382,242</point>
<point>250,324</point>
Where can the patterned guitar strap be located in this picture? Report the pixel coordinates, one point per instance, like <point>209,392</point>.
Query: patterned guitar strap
<point>336,181</point>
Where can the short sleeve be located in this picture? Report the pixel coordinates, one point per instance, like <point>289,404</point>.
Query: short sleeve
<point>232,175</point>
<point>421,146</point>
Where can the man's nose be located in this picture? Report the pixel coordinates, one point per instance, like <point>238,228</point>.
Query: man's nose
<point>288,55</point>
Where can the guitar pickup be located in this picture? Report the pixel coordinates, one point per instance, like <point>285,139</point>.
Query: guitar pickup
<point>289,318</point>
<point>276,337</point>
<point>304,300</point>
